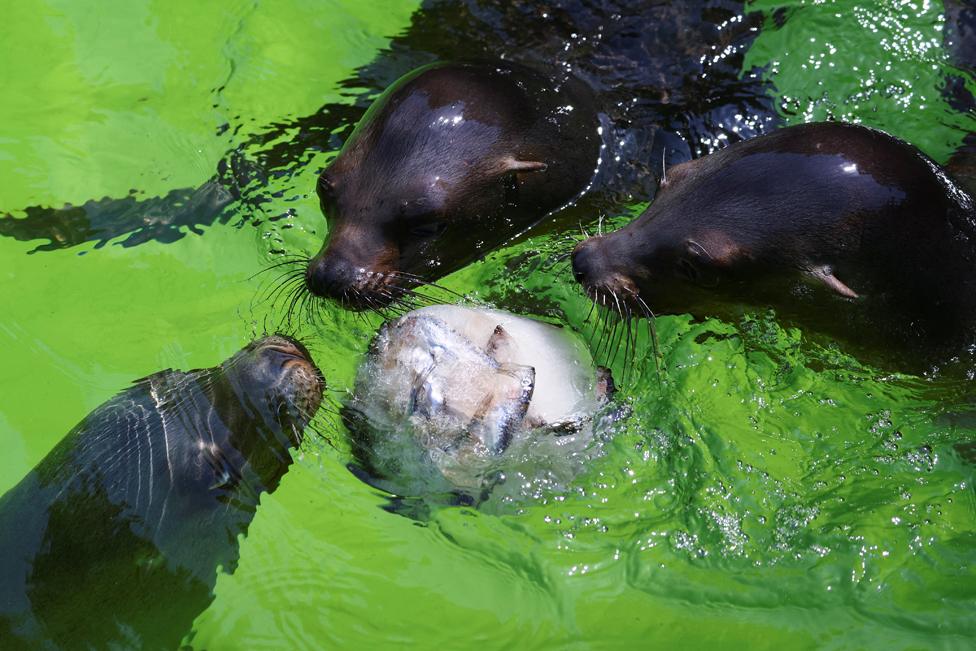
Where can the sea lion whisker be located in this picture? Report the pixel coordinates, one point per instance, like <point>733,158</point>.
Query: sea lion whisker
<point>628,351</point>
<point>651,330</point>
<point>284,298</point>
<point>312,309</point>
<point>392,298</point>
<point>283,287</point>
<point>327,436</point>
<point>614,341</point>
<point>282,278</point>
<point>303,307</point>
<point>601,324</point>
<point>421,281</point>
<point>283,292</point>
<point>397,302</point>
<point>590,328</point>
<point>607,326</point>
<point>622,321</point>
<point>417,299</point>
<point>278,265</point>
<point>594,324</point>
<point>606,336</point>
<point>373,306</point>
<point>586,319</point>
<point>599,353</point>
<point>405,304</point>
<point>409,295</point>
<point>295,296</point>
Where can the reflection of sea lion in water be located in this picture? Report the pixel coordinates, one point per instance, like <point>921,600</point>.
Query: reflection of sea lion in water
<point>116,536</point>
<point>841,228</point>
<point>453,159</point>
<point>448,390</point>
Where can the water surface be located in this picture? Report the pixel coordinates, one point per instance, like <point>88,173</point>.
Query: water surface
<point>768,491</point>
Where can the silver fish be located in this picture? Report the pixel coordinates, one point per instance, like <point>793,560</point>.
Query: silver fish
<point>455,387</point>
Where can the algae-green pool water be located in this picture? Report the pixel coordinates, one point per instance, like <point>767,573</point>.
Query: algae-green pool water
<point>767,491</point>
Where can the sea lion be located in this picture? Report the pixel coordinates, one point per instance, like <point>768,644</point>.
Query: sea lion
<point>445,392</point>
<point>115,538</point>
<point>451,160</point>
<point>841,228</point>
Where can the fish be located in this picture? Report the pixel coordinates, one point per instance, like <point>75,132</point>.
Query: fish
<point>445,391</point>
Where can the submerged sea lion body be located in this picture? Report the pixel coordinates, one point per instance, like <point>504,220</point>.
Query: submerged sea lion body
<point>116,536</point>
<point>840,228</point>
<point>449,390</point>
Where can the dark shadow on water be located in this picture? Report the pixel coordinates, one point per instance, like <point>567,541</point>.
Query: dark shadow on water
<point>413,507</point>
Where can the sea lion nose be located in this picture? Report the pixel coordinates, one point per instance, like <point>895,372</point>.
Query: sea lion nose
<point>595,267</point>
<point>330,275</point>
<point>587,261</point>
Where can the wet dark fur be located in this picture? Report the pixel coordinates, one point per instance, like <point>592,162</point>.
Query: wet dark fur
<point>758,223</point>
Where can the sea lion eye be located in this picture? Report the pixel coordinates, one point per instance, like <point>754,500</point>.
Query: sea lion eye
<point>687,269</point>
<point>427,228</point>
<point>419,220</point>
<point>328,198</point>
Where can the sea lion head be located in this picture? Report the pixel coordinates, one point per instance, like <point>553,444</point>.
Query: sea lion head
<point>776,220</point>
<point>272,385</point>
<point>666,259</point>
<point>450,161</point>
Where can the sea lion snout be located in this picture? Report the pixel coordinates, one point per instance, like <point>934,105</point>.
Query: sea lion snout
<point>330,275</point>
<point>283,363</point>
<point>595,268</point>
<point>356,267</point>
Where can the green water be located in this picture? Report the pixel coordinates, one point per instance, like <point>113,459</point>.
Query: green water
<point>767,492</point>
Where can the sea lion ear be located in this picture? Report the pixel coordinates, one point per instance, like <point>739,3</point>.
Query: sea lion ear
<point>326,186</point>
<point>825,274</point>
<point>511,164</point>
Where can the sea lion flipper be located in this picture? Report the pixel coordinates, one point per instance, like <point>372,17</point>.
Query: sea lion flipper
<point>826,275</point>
